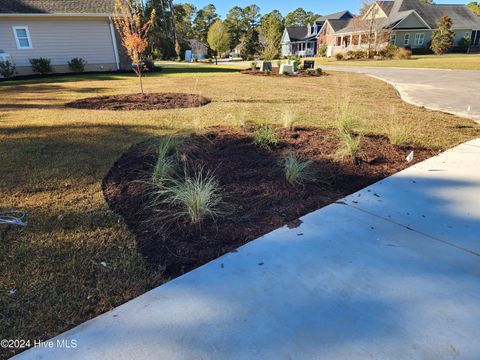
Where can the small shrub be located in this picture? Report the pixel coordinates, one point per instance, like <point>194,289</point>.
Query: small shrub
<point>403,53</point>
<point>41,65</point>
<point>301,67</point>
<point>463,45</point>
<point>289,119</point>
<point>196,197</point>
<point>297,171</point>
<point>253,65</point>
<point>310,72</point>
<point>319,71</point>
<point>339,56</point>
<point>77,65</point>
<point>389,51</point>
<point>268,72</point>
<point>266,138</point>
<point>7,69</point>
<point>322,50</point>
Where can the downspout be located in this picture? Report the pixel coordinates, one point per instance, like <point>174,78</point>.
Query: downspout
<point>114,43</point>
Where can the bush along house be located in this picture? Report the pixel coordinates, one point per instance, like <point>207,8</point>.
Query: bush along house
<point>302,40</point>
<point>404,23</point>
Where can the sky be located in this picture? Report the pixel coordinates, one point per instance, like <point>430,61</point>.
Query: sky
<point>321,7</point>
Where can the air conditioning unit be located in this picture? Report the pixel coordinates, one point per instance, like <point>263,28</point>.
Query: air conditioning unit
<point>5,57</point>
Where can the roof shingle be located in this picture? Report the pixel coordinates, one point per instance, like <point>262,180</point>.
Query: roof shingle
<point>57,6</point>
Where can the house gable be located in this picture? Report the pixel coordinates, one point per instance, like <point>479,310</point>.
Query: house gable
<point>375,12</point>
<point>285,37</point>
<point>411,21</point>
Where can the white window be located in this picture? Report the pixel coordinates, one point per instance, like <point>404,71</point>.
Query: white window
<point>406,39</point>
<point>419,38</point>
<point>22,37</point>
<point>393,39</point>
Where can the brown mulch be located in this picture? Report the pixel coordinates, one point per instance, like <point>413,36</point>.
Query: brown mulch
<point>141,102</point>
<point>258,199</point>
<point>276,72</point>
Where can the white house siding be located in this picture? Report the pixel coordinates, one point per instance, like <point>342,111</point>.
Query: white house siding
<point>61,39</point>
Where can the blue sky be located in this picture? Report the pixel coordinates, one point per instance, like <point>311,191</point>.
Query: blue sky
<point>319,6</point>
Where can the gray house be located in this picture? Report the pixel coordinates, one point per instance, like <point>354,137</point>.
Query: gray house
<point>302,40</point>
<point>59,30</point>
<point>408,23</point>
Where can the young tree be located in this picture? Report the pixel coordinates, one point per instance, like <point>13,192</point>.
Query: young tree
<point>371,25</point>
<point>133,26</point>
<point>218,38</point>
<point>271,29</point>
<point>443,37</point>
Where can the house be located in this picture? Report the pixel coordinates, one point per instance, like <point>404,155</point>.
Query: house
<point>302,40</point>
<point>198,50</point>
<point>404,23</point>
<point>60,30</point>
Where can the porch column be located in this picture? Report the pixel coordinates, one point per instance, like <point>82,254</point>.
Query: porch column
<point>351,41</point>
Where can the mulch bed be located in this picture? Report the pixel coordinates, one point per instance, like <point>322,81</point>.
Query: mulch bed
<point>259,198</point>
<point>276,72</point>
<point>141,102</point>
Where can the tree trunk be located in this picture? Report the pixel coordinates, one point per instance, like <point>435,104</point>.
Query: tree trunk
<point>174,28</point>
<point>141,80</point>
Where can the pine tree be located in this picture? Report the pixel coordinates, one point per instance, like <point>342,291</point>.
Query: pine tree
<point>443,37</point>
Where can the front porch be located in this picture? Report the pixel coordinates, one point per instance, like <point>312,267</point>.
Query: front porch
<point>301,48</point>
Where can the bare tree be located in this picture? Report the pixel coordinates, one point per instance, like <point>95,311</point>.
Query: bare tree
<point>371,23</point>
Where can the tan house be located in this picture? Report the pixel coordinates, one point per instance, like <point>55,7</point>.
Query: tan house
<point>59,30</point>
<point>405,23</point>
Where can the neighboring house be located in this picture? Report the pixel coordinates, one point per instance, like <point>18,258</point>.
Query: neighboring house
<point>405,23</point>
<point>60,30</point>
<point>199,50</point>
<point>302,40</point>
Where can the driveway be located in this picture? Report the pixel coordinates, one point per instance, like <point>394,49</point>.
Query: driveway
<point>390,272</point>
<point>452,91</point>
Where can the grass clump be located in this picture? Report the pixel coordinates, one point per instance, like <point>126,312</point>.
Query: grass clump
<point>289,119</point>
<point>297,171</point>
<point>197,196</point>
<point>400,134</point>
<point>166,164</point>
<point>348,126</point>
<point>350,147</point>
<point>266,138</point>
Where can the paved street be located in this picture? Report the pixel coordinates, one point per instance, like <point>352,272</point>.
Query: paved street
<point>452,91</point>
<point>390,272</point>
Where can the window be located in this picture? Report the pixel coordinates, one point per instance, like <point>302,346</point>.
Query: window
<point>393,39</point>
<point>419,38</point>
<point>468,35</point>
<point>22,37</point>
<point>406,39</point>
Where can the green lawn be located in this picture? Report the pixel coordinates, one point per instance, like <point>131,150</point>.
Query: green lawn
<point>76,259</point>
<point>449,61</point>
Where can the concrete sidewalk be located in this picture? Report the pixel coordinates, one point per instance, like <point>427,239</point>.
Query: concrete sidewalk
<point>451,91</point>
<point>391,272</point>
